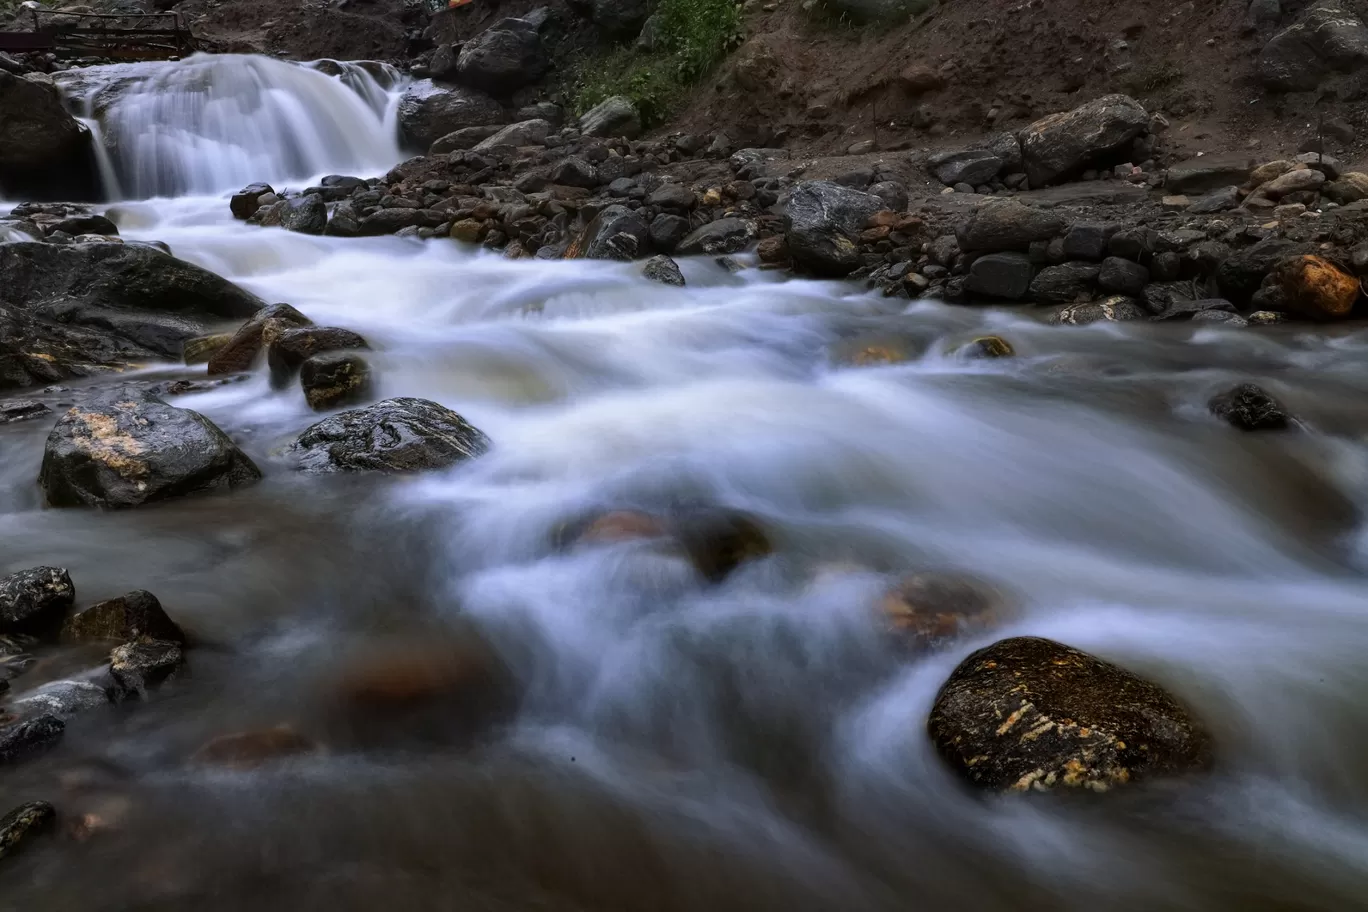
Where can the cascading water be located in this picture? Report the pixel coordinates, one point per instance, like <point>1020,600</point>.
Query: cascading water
<point>755,745</point>
<point>213,123</point>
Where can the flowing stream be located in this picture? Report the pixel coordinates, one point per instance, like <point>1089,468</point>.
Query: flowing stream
<point>749,746</point>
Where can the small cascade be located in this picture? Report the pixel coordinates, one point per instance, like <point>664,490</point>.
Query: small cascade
<point>212,123</point>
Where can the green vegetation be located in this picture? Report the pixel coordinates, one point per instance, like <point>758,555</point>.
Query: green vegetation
<point>688,39</point>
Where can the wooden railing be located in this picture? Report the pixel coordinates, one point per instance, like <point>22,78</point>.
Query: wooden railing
<point>122,36</point>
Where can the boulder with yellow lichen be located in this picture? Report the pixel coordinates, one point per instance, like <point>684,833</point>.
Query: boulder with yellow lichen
<point>1316,288</point>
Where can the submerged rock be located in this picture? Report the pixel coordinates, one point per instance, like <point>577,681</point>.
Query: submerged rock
<point>240,352</point>
<point>136,667</point>
<point>1030,714</point>
<point>293,347</point>
<point>124,450</point>
<point>396,435</point>
<point>720,540</point>
<point>664,270</point>
<point>21,825</point>
<point>128,617</point>
<point>1249,408</point>
<point>927,610</point>
<point>35,600</point>
<point>254,749</point>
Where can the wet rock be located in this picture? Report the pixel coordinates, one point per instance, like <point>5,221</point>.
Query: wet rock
<point>1232,320</point>
<point>428,112</point>
<point>724,236</point>
<point>1249,408</point>
<point>293,347</point>
<point>718,541</point>
<point>240,352</point>
<point>1179,307</point>
<point>128,617</point>
<point>201,348</point>
<point>138,667</point>
<point>929,610</point>
<point>822,225</point>
<point>616,233</point>
<point>254,749</point>
<point>1066,283</point>
<point>1221,200</point>
<point>970,166</point>
<point>1208,173</point>
<point>503,58</point>
<point>1061,145</point>
<point>673,196</point>
<point>1266,318</point>
<point>525,133</point>
<point>23,825</point>
<point>575,172</point>
<point>613,117</point>
<point>667,231</point>
<point>1329,38</point>
<point>62,699</point>
<point>246,201</point>
<point>664,270</point>
<point>986,347</point>
<point>22,410</point>
<point>34,601</point>
<point>463,139</point>
<point>1240,276</point>
<point>396,219</point>
<point>1293,182</point>
<point>612,528</point>
<point>1122,276</point>
<point>304,214</point>
<point>1000,275</point>
<point>44,145</point>
<point>129,449</point>
<point>1316,288</point>
<point>1029,714</point>
<point>1087,240</point>
<point>397,435</point>
<point>1115,309</point>
<point>1007,225</point>
<point>344,221</point>
<point>28,738</point>
<point>335,379</point>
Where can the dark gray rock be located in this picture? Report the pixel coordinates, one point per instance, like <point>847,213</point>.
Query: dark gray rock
<point>1191,308</point>
<point>575,172</point>
<point>1030,714</point>
<point>1210,172</point>
<point>464,139</point>
<point>41,139</point>
<point>1243,272</point>
<point>1088,240</point>
<point>970,166</point>
<point>503,58</point>
<point>1166,267</point>
<point>397,435</point>
<point>1249,408</point>
<point>23,410</point>
<point>293,347</point>
<point>334,379</point>
<point>1263,13</point>
<point>138,667</point>
<point>616,233</point>
<point>525,133</point>
<point>428,112</point>
<point>34,601</point>
<point>22,825</point>
<point>1222,200</point>
<point>344,221</point>
<point>667,231</point>
<point>1123,276</point>
<point>1133,243</point>
<point>128,449</point>
<point>1062,145</point>
<point>673,196</point>
<point>1329,38</point>
<point>615,116</point>
<point>29,737</point>
<point>619,19</point>
<point>724,236</point>
<point>1007,225</point>
<point>664,270</point>
<point>1066,283</point>
<point>822,225</point>
<point>1000,275</point>
<point>1115,309</point>
<point>61,699</point>
<point>394,220</point>
<point>125,618</point>
<point>1007,148</point>
<point>304,214</point>
<point>893,194</point>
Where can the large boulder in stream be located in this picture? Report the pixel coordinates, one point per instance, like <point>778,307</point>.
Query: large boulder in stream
<point>40,140</point>
<point>822,226</point>
<point>427,112</point>
<point>1030,714</point>
<point>503,58</point>
<point>396,435</point>
<point>128,449</point>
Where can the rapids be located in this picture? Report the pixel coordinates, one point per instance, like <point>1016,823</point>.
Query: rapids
<point>751,746</point>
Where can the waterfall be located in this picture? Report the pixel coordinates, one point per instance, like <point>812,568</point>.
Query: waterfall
<point>212,123</point>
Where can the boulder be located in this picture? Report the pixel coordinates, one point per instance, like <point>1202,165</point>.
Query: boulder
<point>428,112</point>
<point>304,214</point>
<point>574,172</point>
<point>44,146</point>
<point>667,231</point>
<point>138,667</point>
<point>1351,187</point>
<point>125,618</point>
<point>724,236</point>
<point>35,601</point>
<point>335,379</point>
<point>1066,283</point>
<point>969,166</point>
<point>1240,276</point>
<point>464,139</point>
<point>1294,181</point>
<point>1329,38</point>
<point>128,449</point>
<point>1007,225</point>
<point>396,219</point>
<point>616,233</point>
<point>397,435</point>
<point>1061,145</point>
<point>1122,276</point>
<point>29,737</point>
<point>295,346</point>
<point>613,117</point>
<point>822,224</point>
<point>1030,714</point>
<point>1249,408</point>
<point>1088,240</point>
<point>1316,288</point>
<point>664,270</point>
<point>241,351</point>
<point>503,58</point>
<point>61,700</point>
<point>526,133</point>
<point>23,410</point>
<point>22,825</point>
<point>1000,275</point>
<point>673,196</point>
<point>1115,309</point>
<point>1210,172</point>
<point>344,221</point>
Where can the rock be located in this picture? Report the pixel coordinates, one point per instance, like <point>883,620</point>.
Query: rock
<point>139,666</point>
<point>29,737</point>
<point>1221,200</point>
<point>1007,148</point>
<point>22,410</point>
<point>395,220</point>
<point>616,233</point>
<point>822,224</point>
<point>1029,714</point>
<point>1123,276</point>
<point>526,133</point>
<point>1319,161</point>
<point>1293,182</point>
<point>304,214</point>
<point>128,449</point>
<point>128,617</point>
<point>61,700</point>
<point>251,750</point>
<point>667,231</point>
<point>1116,309</point>
<point>1269,171</point>
<point>334,379</point>
<point>918,79</point>
<point>969,166</point>
<point>986,347</point>
<point>1240,276</point>
<point>1007,225</point>
<point>664,270</point>
<point>1061,145</point>
<point>1172,307</point>
<point>22,825</point>
<point>464,138</point>
<point>724,236</point>
<point>1316,288</point>
<point>1066,283</point>
<point>397,435</point>
<point>1000,275</point>
<point>718,541</point>
<point>242,349</point>
<point>44,146</point>
<point>1210,172</point>
<point>469,231</point>
<point>1263,13</point>
<point>893,194</point>
<point>1329,38</point>
<point>503,58</point>
<point>673,196</point>
<point>615,116</point>
<point>619,19</point>
<point>1350,188</point>
<point>575,172</point>
<point>344,221</point>
<point>1087,240</point>
<point>929,610</point>
<point>295,346</point>
<point>428,112</point>
<point>201,348</point>
<point>1249,408</point>
<point>34,601</point>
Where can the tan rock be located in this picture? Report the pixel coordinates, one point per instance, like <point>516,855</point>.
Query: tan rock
<point>1316,288</point>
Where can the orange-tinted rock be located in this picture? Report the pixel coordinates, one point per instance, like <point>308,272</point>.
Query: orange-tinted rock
<point>622,525</point>
<point>1316,288</point>
<point>251,749</point>
<point>929,609</point>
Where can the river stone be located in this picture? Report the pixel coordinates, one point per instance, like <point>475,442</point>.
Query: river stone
<point>1115,309</point>
<point>503,58</point>
<point>242,349</point>
<point>129,449</point>
<point>1007,225</point>
<point>1249,408</point>
<point>1122,276</point>
<point>1328,38</point>
<point>724,236</point>
<point>616,233</point>
<point>23,410</point>
<point>428,112</point>
<point>719,540</point>
<point>305,215</point>
<point>21,825</point>
<point>35,600</point>
<point>396,219</point>
<point>41,139</point>
<point>1061,145</point>
<point>667,232</point>
<point>613,117</point>
<point>1000,275</point>
<point>463,139</point>
<point>62,699</point>
<point>525,133</point>
<point>139,666</point>
<point>1030,714</point>
<point>822,225</point>
<point>1316,288</point>
<point>246,201</point>
<point>250,750</point>
<point>335,379</point>
<point>128,617</point>
<point>396,435</point>
<point>1066,283</point>
<point>201,348</point>
<point>574,172</point>
<point>1240,276</point>
<point>664,270</point>
<point>967,166</point>
<point>931,609</point>
<point>295,346</point>
<point>29,737</point>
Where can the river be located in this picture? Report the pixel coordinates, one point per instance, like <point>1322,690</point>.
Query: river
<point>748,746</point>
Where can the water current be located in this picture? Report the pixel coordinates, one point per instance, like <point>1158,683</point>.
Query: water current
<point>753,745</point>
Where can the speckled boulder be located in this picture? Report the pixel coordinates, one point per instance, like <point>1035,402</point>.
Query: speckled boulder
<point>23,823</point>
<point>35,599</point>
<point>125,618</point>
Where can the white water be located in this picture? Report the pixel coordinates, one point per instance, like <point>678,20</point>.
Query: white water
<point>1083,475</point>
